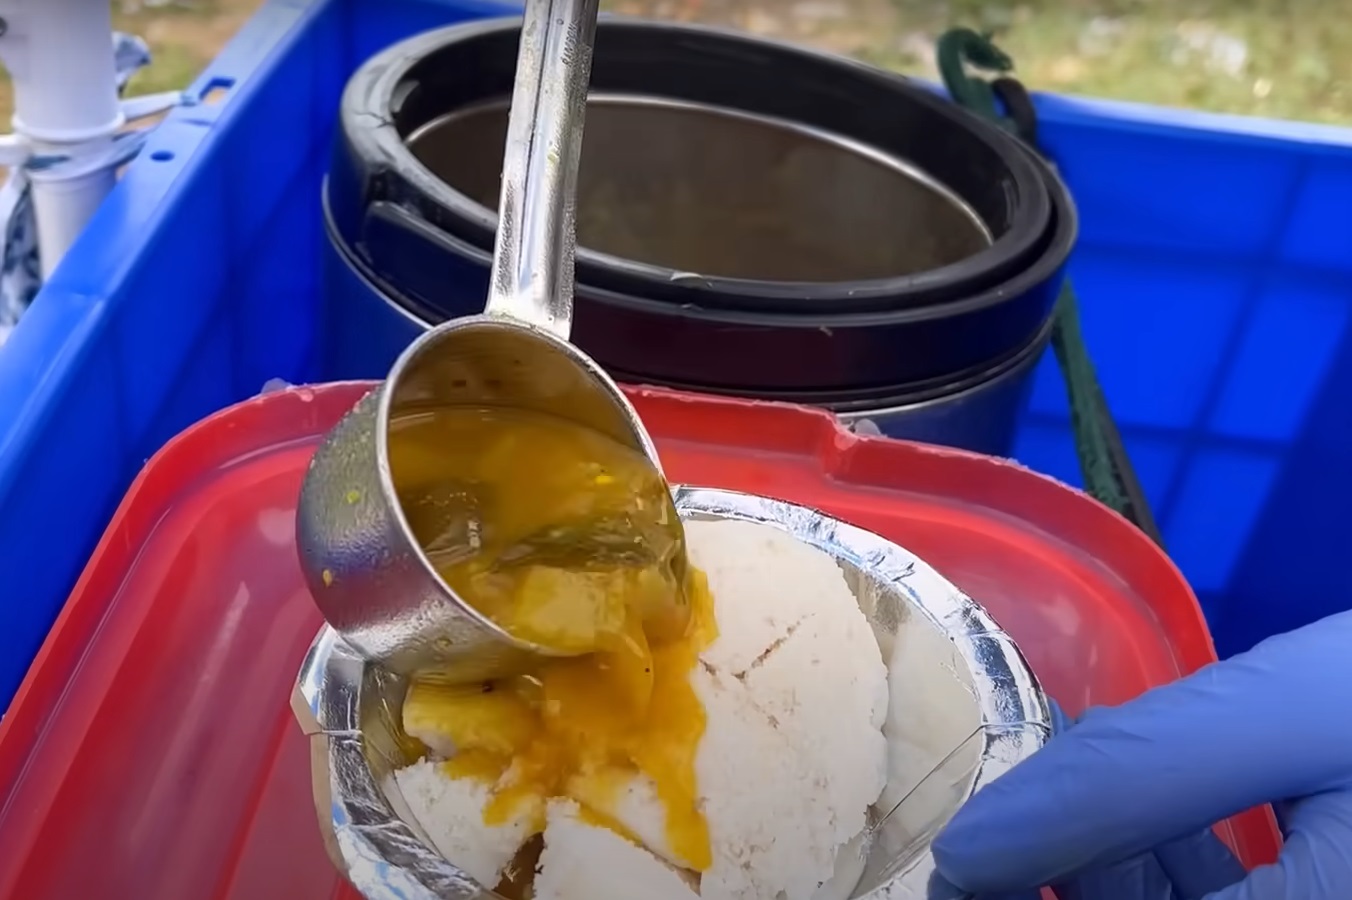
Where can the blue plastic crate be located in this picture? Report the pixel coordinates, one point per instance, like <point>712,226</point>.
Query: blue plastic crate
<point>1215,275</point>
<point>1215,271</point>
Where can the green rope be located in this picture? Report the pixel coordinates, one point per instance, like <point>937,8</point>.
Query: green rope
<point>961,47</point>
<point>1095,452</point>
<point>1107,473</point>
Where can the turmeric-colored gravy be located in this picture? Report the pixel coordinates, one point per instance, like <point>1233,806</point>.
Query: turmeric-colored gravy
<point>566,538</point>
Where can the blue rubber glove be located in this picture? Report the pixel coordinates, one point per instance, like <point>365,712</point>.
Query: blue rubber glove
<point>1119,806</point>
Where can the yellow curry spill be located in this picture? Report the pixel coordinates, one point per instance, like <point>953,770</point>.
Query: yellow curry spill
<point>568,539</point>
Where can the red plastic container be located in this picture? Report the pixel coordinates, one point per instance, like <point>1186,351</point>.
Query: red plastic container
<point>151,752</point>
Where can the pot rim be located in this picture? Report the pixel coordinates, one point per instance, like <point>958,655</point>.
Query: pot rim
<point>864,402</point>
<point>372,89</point>
<point>1062,240</point>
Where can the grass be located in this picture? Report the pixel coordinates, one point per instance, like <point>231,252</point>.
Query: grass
<point>172,68</point>
<point>1289,59</point>
<point>1281,58</point>
<point>183,38</point>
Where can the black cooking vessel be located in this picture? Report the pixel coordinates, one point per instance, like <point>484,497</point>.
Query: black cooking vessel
<point>413,83</point>
<point>830,359</point>
<point>416,238</point>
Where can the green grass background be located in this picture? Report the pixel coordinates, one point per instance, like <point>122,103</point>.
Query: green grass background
<point>1280,58</point>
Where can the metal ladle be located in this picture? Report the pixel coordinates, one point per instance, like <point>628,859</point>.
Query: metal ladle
<point>367,572</point>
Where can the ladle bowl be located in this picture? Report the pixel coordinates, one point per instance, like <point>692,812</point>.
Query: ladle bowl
<point>369,576</point>
<point>365,569</point>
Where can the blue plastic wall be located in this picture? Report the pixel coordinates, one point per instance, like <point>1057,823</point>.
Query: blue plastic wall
<point>1215,269</point>
<point>1215,274</point>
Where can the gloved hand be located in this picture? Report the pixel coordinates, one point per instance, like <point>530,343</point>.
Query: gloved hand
<point>1119,806</point>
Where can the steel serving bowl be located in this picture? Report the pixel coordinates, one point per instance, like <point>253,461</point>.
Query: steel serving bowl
<point>964,708</point>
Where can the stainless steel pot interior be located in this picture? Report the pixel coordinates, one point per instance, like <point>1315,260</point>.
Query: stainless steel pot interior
<point>719,192</point>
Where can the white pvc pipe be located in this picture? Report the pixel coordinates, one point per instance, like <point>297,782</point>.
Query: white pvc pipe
<point>59,54</point>
<point>62,208</point>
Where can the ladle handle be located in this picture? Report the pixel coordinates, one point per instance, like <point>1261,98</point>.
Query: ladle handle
<point>532,278</point>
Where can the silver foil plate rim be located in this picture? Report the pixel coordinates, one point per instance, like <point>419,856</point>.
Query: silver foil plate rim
<point>386,858</point>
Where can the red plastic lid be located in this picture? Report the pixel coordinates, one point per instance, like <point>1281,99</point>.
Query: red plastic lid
<point>151,752</point>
